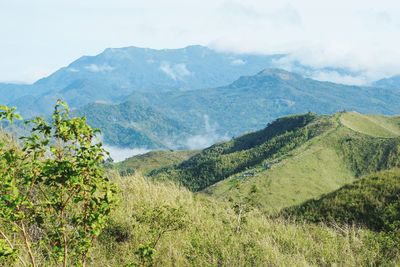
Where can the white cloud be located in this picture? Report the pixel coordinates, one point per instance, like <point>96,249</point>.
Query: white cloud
<point>358,34</point>
<point>333,76</point>
<point>175,72</point>
<point>205,139</point>
<point>166,68</point>
<point>72,70</point>
<point>99,68</point>
<point>181,70</point>
<point>238,62</point>
<point>119,154</point>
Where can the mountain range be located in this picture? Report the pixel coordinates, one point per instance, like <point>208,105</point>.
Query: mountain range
<point>115,73</point>
<point>202,117</point>
<point>189,98</point>
<point>391,82</point>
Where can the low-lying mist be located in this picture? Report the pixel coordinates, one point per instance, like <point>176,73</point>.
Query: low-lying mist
<point>205,138</point>
<point>119,154</point>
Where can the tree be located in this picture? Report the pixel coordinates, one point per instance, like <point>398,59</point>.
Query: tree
<point>53,192</point>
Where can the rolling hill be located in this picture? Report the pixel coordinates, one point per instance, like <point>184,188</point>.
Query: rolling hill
<point>152,160</point>
<point>372,202</point>
<point>293,159</point>
<point>208,234</point>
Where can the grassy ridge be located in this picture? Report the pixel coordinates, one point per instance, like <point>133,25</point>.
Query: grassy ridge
<point>210,236</point>
<point>309,172</point>
<point>223,160</point>
<point>322,165</point>
<point>378,126</point>
<point>152,160</point>
<point>373,201</point>
<point>292,160</point>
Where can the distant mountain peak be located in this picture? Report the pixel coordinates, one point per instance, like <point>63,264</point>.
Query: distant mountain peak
<point>266,76</point>
<point>390,82</point>
<point>144,49</point>
<point>279,73</point>
<point>196,47</point>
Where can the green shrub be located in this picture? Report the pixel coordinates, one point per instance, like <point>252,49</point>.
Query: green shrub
<point>54,196</point>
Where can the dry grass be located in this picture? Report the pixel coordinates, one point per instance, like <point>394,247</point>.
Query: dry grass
<point>210,237</point>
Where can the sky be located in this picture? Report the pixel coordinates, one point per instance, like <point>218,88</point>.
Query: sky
<point>38,37</point>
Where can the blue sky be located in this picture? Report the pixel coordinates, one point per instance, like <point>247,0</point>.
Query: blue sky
<point>40,36</point>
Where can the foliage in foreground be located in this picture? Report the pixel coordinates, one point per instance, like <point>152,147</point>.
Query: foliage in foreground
<point>54,196</point>
<point>161,224</point>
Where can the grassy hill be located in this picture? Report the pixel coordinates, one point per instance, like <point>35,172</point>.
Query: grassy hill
<point>378,126</point>
<point>197,230</point>
<point>373,202</point>
<point>294,159</point>
<point>153,160</point>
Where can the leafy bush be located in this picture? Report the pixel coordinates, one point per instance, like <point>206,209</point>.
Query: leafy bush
<point>54,196</point>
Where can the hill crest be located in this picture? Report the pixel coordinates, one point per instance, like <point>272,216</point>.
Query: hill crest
<point>287,166</point>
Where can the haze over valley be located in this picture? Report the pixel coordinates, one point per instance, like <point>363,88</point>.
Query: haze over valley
<point>145,99</point>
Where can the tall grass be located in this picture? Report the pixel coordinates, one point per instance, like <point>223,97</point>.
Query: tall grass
<point>216,234</point>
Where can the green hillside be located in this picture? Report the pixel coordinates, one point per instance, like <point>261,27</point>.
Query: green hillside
<point>197,230</point>
<point>60,206</point>
<point>282,166</point>
<point>378,126</point>
<point>152,160</point>
<point>223,160</point>
<point>373,201</point>
<point>132,125</point>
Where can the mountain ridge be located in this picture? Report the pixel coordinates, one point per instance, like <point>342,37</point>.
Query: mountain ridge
<point>205,116</point>
<point>289,166</point>
<point>250,102</point>
<point>117,72</point>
